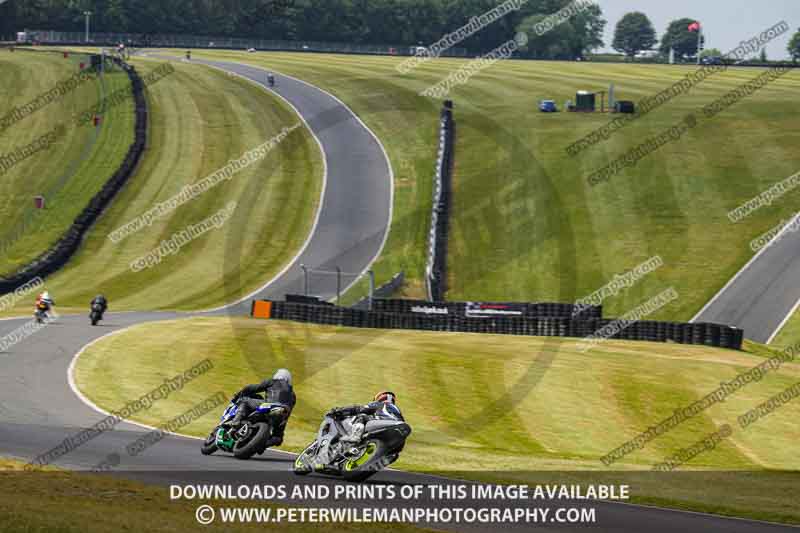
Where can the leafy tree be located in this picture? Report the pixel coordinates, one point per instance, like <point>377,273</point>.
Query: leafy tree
<point>763,56</point>
<point>572,39</point>
<point>589,26</point>
<point>711,52</point>
<point>794,46</point>
<point>548,45</point>
<point>680,38</point>
<point>8,15</point>
<point>634,33</point>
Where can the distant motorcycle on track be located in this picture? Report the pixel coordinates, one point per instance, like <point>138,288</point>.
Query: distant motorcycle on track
<point>380,446</point>
<point>249,439</point>
<point>41,313</point>
<point>97,313</point>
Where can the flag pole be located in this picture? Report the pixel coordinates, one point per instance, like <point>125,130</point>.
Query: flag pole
<point>699,42</point>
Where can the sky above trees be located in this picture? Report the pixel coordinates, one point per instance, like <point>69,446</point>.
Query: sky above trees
<point>726,22</point>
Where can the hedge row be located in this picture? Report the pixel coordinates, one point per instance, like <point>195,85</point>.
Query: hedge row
<point>702,334</point>
<point>62,251</point>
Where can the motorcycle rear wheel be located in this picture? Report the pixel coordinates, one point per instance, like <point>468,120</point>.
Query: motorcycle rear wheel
<point>367,464</point>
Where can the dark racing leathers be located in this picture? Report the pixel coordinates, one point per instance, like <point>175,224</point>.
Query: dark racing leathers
<point>103,304</point>
<point>277,391</point>
<point>361,415</point>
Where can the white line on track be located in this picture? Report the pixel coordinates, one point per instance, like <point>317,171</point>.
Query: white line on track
<point>325,179</point>
<point>89,403</point>
<point>745,267</point>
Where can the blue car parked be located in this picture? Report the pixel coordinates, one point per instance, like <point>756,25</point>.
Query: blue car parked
<point>548,106</point>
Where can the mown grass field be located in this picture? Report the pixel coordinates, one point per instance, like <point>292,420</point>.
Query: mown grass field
<point>64,502</point>
<point>199,120</point>
<point>69,172</point>
<point>526,225</point>
<point>483,406</point>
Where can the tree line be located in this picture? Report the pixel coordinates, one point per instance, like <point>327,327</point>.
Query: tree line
<point>401,22</point>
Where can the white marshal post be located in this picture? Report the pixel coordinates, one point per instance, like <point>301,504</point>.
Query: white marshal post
<point>696,26</point>
<point>699,43</point>
<point>87,14</point>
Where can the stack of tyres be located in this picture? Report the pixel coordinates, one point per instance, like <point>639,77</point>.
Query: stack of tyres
<point>702,334</point>
<point>738,338</point>
<point>710,333</point>
<point>716,335</point>
<point>698,332</point>
<point>686,334</point>
<point>674,332</point>
<point>649,331</point>
<point>662,331</point>
<point>725,335</point>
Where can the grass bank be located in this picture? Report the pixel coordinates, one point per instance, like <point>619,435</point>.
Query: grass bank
<point>486,407</point>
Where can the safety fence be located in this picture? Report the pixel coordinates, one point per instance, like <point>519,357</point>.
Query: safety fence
<point>139,40</point>
<point>59,253</point>
<point>683,333</point>
<point>488,309</point>
<point>384,291</point>
<point>436,269</point>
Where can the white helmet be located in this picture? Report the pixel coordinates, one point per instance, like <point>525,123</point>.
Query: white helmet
<point>46,296</point>
<point>283,374</point>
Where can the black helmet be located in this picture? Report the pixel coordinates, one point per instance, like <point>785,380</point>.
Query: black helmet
<point>386,396</point>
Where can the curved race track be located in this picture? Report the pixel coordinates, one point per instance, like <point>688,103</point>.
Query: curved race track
<point>38,408</point>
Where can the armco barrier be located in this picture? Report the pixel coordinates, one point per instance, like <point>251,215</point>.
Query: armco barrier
<point>436,269</point>
<point>510,309</point>
<point>702,334</point>
<point>57,256</point>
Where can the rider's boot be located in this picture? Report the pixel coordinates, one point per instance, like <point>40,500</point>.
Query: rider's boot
<point>237,420</point>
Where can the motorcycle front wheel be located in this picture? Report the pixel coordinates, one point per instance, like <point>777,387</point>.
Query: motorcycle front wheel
<point>210,444</point>
<point>302,465</point>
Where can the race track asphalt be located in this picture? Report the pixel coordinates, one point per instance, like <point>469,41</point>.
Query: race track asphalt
<point>39,409</point>
<point>763,294</point>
